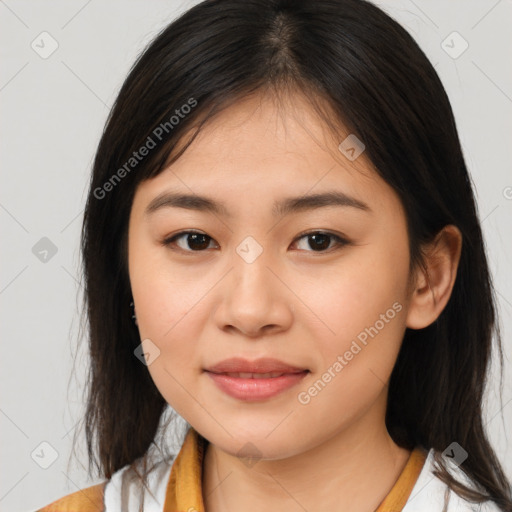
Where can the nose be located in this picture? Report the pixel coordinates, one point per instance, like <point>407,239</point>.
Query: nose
<point>255,299</point>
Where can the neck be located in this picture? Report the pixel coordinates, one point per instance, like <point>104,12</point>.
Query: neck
<point>353,469</point>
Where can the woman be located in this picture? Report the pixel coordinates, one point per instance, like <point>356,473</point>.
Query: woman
<point>281,243</point>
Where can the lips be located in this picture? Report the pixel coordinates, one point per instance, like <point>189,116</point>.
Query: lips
<point>265,365</point>
<point>255,380</point>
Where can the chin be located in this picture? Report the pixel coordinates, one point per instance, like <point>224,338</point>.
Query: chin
<point>257,444</point>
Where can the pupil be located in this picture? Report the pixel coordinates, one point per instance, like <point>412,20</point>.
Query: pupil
<point>318,239</point>
<point>196,236</point>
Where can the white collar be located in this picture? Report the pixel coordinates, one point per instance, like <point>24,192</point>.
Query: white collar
<point>428,493</point>
<point>123,490</point>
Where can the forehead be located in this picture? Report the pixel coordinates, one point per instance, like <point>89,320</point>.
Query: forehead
<point>260,149</point>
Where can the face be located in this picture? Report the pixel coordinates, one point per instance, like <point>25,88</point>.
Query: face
<point>321,287</point>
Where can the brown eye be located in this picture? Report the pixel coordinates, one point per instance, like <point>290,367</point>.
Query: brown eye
<point>320,241</point>
<point>194,241</point>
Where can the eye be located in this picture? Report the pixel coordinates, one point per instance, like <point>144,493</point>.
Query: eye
<point>319,241</point>
<point>195,240</point>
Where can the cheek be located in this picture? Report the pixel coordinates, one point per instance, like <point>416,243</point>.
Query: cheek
<point>167,316</point>
<point>164,299</point>
<point>357,324</point>
<point>357,351</point>
<point>163,293</point>
<point>355,294</point>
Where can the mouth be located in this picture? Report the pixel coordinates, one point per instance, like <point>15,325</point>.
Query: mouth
<point>245,375</point>
<point>262,365</point>
<point>257,380</point>
<point>256,387</point>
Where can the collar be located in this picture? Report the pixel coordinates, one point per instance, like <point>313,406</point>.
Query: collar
<point>184,489</point>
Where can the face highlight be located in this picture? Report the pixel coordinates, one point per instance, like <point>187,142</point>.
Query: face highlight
<point>253,266</point>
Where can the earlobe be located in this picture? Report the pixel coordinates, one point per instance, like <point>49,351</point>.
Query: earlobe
<point>434,287</point>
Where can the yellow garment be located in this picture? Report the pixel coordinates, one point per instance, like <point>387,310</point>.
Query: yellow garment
<point>85,500</point>
<point>184,490</point>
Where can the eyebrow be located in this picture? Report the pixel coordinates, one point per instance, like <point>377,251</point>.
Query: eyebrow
<point>282,207</point>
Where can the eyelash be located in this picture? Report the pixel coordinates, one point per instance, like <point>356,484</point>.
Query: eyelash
<point>340,242</point>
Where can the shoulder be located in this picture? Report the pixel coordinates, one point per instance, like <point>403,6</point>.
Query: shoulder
<point>89,499</point>
<point>125,490</point>
<point>429,492</point>
<point>121,493</point>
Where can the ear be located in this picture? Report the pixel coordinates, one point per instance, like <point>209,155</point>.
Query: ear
<point>433,289</point>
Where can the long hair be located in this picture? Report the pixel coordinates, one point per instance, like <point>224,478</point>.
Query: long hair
<point>379,84</point>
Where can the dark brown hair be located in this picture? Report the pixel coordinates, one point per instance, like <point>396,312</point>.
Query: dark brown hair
<point>381,86</point>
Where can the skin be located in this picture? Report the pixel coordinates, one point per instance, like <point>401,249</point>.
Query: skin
<point>293,303</point>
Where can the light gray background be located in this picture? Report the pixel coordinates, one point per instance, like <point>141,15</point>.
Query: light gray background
<point>53,111</point>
